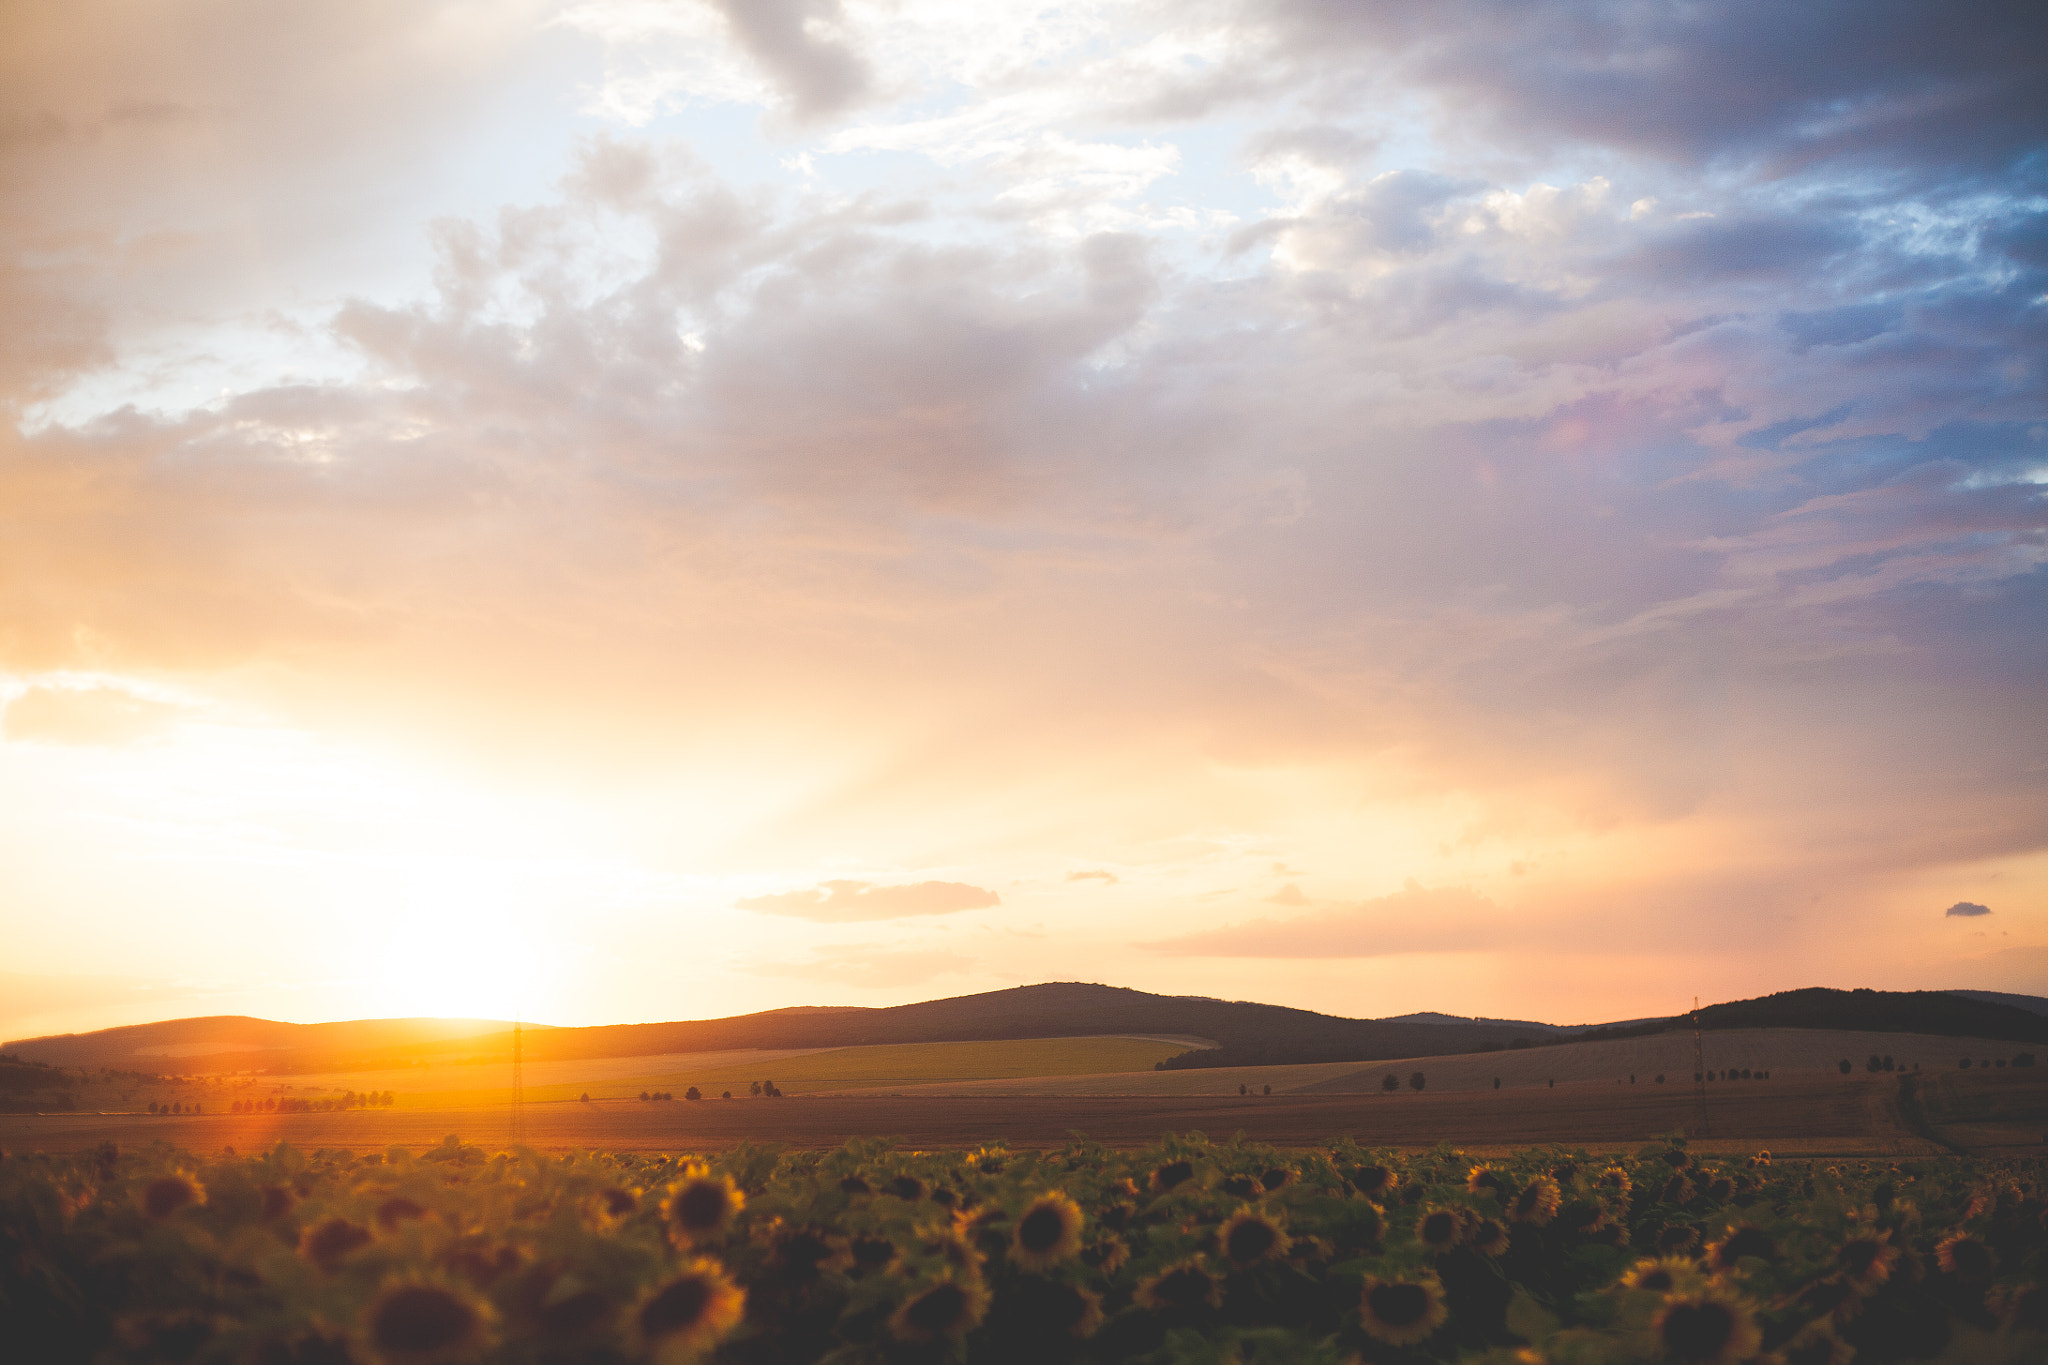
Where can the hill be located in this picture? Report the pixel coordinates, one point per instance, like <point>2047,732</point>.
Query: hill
<point>238,1042</point>
<point>1244,1033</point>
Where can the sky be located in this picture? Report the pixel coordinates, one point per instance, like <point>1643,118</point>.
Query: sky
<point>610,511</point>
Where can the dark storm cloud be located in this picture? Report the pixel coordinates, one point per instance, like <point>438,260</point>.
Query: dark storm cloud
<point>1967,910</point>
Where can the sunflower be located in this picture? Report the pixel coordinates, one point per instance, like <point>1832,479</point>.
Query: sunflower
<point>1677,1239</point>
<point>1108,1254</point>
<point>1180,1288</point>
<point>1248,1237</point>
<point>1172,1175</point>
<point>168,1194</point>
<point>1867,1258</point>
<point>1402,1311</point>
<point>872,1255</point>
<point>1489,1237</point>
<point>801,1255</point>
<point>398,1209</point>
<point>556,1302</point>
<point>616,1202</point>
<point>326,1244</point>
<point>949,1307</point>
<point>1372,1181</point>
<point>989,1160</point>
<point>1484,1180</point>
<point>1676,1190</point>
<point>2025,1306</point>
<point>1240,1187</point>
<point>1440,1229</point>
<point>685,1317</point>
<point>1966,1256</point>
<point>1537,1203</point>
<point>1742,1243</point>
<point>1616,1181</point>
<point>1044,1311</point>
<point>1707,1327</point>
<point>907,1187</point>
<point>1047,1232</point>
<point>418,1322</point>
<point>700,1206</point>
<point>1278,1177</point>
<point>1663,1275</point>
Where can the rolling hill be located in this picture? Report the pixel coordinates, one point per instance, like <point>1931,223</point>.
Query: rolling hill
<point>1243,1033</point>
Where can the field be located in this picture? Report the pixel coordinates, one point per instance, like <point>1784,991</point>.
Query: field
<point>1808,1113</point>
<point>867,1253</point>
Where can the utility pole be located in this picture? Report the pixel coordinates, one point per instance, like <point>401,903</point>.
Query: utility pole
<point>518,1089</point>
<point>1699,1075</point>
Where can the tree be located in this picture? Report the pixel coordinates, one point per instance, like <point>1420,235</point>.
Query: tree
<point>1966,1063</point>
<point>1269,1089</point>
<point>753,1087</point>
<point>645,1096</point>
<point>584,1098</point>
<point>1660,1078</point>
<point>1496,1082</point>
<point>2024,1059</point>
<point>693,1093</point>
<point>1391,1083</point>
<point>728,1094</point>
<point>1843,1066</point>
<point>768,1089</point>
<point>1416,1082</point>
<point>1244,1090</point>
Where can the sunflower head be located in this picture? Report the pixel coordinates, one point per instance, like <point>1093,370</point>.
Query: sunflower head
<point>989,1160</point>
<point>1707,1327</point>
<point>328,1243</point>
<point>700,1207</point>
<point>1536,1203</point>
<point>1867,1258</point>
<point>1372,1181</point>
<point>854,1184</point>
<point>1676,1189</point>
<point>1276,1178</point>
<point>398,1209</point>
<point>1248,1237</point>
<point>170,1194</point>
<point>1171,1175</point>
<point>1489,1237</point>
<point>1106,1254</point>
<point>802,1255</point>
<point>1403,1309</point>
<point>616,1202</point>
<point>419,1322</point>
<point>907,1187</point>
<point>1677,1239</point>
<point>871,1255</point>
<point>1966,1256</point>
<point>2025,1306</point>
<point>1440,1229</point>
<point>1047,1232</point>
<point>1742,1243</point>
<point>555,1302</point>
<point>1484,1180</point>
<point>1182,1288</point>
<point>1615,1180</point>
<point>1663,1275</point>
<point>684,1317</point>
<point>947,1308</point>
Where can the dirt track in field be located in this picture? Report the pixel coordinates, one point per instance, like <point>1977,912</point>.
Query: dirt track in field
<point>1856,1115</point>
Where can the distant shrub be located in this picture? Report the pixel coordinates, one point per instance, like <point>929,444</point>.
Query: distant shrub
<point>1391,1083</point>
<point>1966,1063</point>
<point>693,1093</point>
<point>2024,1059</point>
<point>1416,1081</point>
<point>1844,1068</point>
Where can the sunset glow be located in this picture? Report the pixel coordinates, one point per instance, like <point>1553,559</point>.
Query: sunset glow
<point>611,511</point>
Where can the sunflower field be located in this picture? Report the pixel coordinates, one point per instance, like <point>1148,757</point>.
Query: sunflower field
<point>1191,1251</point>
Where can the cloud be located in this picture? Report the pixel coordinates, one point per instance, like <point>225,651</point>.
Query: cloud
<point>1095,875</point>
<point>844,902</point>
<point>821,75</point>
<point>1415,919</point>
<point>868,968</point>
<point>85,715</point>
<point>1966,910</point>
<point>1289,894</point>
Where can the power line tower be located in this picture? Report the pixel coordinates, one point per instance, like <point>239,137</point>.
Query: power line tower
<point>1699,1075</point>
<point>518,1088</point>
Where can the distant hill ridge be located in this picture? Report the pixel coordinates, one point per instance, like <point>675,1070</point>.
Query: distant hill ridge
<point>1247,1033</point>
